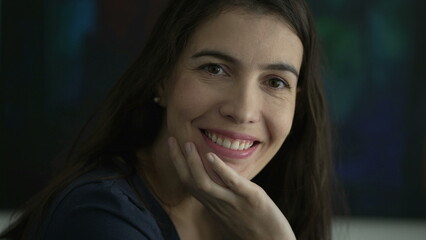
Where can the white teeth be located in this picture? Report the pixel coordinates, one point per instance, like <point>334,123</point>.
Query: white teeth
<point>214,138</point>
<point>235,145</point>
<point>228,143</point>
<point>242,146</point>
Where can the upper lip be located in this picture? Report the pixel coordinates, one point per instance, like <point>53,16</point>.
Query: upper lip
<point>233,135</point>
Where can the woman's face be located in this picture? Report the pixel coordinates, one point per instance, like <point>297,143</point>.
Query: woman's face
<point>233,91</point>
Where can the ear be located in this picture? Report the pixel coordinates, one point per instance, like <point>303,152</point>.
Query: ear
<point>161,95</point>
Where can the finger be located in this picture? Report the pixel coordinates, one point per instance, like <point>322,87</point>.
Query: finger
<point>192,173</point>
<point>178,160</point>
<point>232,179</point>
<point>196,168</point>
<point>200,177</point>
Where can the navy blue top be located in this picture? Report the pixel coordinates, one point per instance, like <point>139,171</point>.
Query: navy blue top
<point>99,206</point>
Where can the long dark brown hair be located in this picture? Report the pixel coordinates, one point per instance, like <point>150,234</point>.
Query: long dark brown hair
<point>297,178</point>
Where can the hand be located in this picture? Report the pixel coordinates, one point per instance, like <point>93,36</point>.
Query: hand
<point>242,208</point>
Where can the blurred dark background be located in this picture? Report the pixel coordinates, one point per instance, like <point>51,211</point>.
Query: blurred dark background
<point>60,57</point>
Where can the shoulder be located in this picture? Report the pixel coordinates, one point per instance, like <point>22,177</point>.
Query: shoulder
<point>100,208</point>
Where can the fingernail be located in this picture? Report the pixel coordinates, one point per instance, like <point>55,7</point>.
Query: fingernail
<point>188,148</point>
<point>210,157</point>
<point>172,143</point>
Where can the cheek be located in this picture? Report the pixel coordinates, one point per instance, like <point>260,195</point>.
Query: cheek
<point>187,102</point>
<point>188,99</point>
<point>280,122</point>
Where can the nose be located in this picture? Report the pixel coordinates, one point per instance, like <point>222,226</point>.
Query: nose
<point>241,105</point>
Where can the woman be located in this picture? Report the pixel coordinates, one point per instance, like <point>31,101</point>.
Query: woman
<point>222,91</point>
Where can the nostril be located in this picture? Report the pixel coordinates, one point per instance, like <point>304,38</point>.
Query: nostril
<point>239,114</point>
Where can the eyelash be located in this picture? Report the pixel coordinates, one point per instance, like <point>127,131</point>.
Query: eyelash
<point>284,83</point>
<point>205,67</point>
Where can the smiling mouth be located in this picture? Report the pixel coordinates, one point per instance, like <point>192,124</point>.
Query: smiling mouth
<point>229,143</point>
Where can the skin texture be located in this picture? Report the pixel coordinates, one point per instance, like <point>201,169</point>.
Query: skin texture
<point>251,91</point>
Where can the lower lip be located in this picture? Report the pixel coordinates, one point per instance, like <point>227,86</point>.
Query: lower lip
<point>229,153</point>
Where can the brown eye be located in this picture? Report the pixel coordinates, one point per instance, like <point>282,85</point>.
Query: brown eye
<point>214,69</point>
<point>277,83</point>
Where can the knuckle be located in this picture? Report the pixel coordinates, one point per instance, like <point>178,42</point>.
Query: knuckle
<point>186,182</point>
<point>232,182</point>
<point>203,185</point>
<point>256,198</point>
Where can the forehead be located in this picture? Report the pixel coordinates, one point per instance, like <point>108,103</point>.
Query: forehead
<point>248,36</point>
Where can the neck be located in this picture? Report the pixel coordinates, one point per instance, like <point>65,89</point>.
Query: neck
<point>160,175</point>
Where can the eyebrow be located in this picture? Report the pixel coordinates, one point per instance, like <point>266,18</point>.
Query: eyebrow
<point>216,54</point>
<point>281,66</point>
